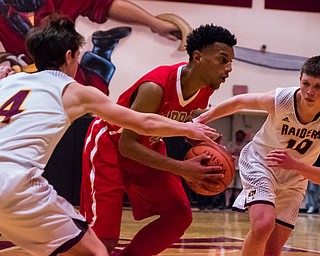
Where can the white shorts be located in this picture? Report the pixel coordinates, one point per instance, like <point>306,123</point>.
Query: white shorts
<point>285,189</point>
<point>33,216</point>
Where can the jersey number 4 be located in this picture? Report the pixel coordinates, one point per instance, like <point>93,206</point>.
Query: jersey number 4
<point>12,106</point>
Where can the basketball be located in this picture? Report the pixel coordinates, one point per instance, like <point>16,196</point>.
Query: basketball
<point>219,156</point>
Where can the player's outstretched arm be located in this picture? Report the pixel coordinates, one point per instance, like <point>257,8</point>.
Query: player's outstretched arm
<point>252,101</point>
<point>79,100</point>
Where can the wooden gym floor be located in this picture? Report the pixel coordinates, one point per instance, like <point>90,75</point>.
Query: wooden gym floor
<point>213,233</point>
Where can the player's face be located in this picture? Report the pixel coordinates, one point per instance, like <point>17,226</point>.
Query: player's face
<point>310,90</point>
<point>216,61</point>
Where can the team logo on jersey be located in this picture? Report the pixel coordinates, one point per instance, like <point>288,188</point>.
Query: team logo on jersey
<point>286,119</point>
<point>175,115</point>
<point>252,194</point>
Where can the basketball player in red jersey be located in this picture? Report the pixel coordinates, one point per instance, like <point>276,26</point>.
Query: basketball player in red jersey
<point>116,160</point>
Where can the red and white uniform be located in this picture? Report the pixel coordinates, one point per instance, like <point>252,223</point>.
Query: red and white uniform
<point>106,174</point>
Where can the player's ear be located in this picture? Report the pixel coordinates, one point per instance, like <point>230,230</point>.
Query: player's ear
<point>68,57</point>
<point>197,55</point>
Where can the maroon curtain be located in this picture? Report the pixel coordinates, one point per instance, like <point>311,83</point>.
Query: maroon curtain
<point>237,3</point>
<point>294,5</point>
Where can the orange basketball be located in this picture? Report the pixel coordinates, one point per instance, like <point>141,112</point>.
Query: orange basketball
<point>219,156</point>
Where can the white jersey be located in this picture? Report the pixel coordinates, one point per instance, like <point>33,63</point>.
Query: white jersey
<point>283,188</point>
<point>283,130</point>
<point>32,121</point>
<point>32,117</point>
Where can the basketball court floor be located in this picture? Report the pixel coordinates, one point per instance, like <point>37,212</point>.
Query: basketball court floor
<point>213,233</point>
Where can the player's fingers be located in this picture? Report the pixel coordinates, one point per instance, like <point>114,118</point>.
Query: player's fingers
<point>213,137</point>
<point>273,165</point>
<point>183,26</point>
<point>216,174</point>
<point>193,142</point>
<point>277,151</point>
<point>218,140</point>
<point>272,158</point>
<point>213,169</point>
<point>202,159</point>
<point>208,139</point>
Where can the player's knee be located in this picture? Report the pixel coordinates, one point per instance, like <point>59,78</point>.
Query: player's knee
<point>179,217</point>
<point>263,228</point>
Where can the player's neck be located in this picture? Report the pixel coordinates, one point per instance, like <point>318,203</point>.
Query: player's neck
<point>306,113</point>
<point>189,83</point>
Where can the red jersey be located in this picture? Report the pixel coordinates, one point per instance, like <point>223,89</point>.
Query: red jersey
<point>173,104</point>
<point>106,174</point>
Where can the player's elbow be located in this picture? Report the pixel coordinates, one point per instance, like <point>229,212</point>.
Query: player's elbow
<point>123,151</point>
<point>123,148</point>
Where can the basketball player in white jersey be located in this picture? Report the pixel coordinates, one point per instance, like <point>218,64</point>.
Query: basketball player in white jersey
<point>35,111</point>
<point>276,165</point>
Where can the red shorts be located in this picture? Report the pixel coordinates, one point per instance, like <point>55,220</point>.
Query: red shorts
<point>104,181</point>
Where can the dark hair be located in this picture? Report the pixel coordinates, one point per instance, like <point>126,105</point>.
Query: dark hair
<point>48,43</point>
<point>206,35</point>
<point>311,67</point>
<point>241,132</point>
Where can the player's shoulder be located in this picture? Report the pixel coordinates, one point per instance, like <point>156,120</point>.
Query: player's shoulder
<point>285,94</point>
<point>168,68</point>
<point>286,90</point>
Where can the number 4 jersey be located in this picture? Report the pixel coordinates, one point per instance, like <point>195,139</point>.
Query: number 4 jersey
<point>32,117</point>
<point>283,130</point>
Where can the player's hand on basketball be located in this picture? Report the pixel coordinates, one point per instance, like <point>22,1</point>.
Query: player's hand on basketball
<point>202,132</point>
<point>200,174</point>
<point>280,158</point>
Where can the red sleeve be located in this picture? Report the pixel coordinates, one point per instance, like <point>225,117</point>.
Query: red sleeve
<point>95,10</point>
<point>12,42</point>
<point>44,11</point>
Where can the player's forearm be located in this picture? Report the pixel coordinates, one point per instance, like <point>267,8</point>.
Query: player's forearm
<point>120,9</point>
<point>225,108</point>
<point>143,155</point>
<point>252,101</point>
<point>163,126</point>
<point>311,173</point>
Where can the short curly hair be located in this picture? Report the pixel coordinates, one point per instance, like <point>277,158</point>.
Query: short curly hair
<point>311,67</point>
<point>206,35</point>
